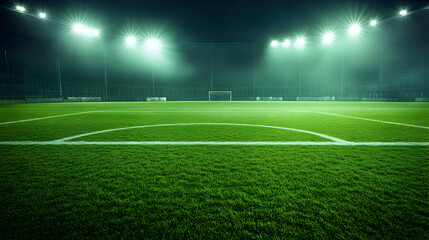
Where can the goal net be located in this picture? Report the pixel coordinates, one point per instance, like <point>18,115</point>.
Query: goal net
<point>220,95</point>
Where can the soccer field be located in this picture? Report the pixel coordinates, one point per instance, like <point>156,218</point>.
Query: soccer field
<point>214,170</point>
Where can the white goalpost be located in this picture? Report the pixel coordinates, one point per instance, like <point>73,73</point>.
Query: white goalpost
<point>223,95</point>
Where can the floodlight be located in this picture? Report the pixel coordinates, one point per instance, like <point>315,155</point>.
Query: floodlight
<point>78,28</point>
<point>152,46</point>
<point>95,32</point>
<point>84,30</point>
<point>274,43</point>
<point>354,30</point>
<point>286,43</point>
<point>20,9</point>
<point>328,38</point>
<point>403,12</point>
<point>130,41</point>
<point>42,15</point>
<point>153,43</point>
<point>373,23</point>
<point>299,43</point>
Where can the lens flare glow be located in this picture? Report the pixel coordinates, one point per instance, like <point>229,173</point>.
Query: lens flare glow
<point>403,12</point>
<point>274,43</point>
<point>42,15</point>
<point>78,28</point>
<point>130,41</point>
<point>328,38</point>
<point>354,30</point>
<point>286,43</point>
<point>373,23</point>
<point>152,45</point>
<point>81,29</point>
<point>95,32</point>
<point>20,9</point>
<point>299,43</point>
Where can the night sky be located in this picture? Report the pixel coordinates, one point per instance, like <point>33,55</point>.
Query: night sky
<point>215,21</point>
<point>240,57</point>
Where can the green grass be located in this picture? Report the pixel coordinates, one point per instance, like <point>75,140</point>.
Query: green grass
<point>215,192</point>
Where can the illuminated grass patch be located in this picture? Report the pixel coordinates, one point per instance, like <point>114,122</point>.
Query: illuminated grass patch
<point>205,192</point>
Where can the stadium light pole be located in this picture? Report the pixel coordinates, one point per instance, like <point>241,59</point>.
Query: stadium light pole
<point>43,16</point>
<point>299,44</point>
<point>88,32</point>
<point>211,66</point>
<point>353,31</point>
<point>153,47</point>
<point>373,24</point>
<point>105,71</point>
<point>380,70</point>
<point>254,72</point>
<point>59,67</point>
<point>153,80</point>
<point>342,74</point>
<point>402,13</point>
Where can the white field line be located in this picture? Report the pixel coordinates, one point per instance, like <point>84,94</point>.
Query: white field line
<point>369,119</point>
<point>189,124</point>
<point>197,111</point>
<point>78,143</point>
<point>41,118</point>
<point>286,108</point>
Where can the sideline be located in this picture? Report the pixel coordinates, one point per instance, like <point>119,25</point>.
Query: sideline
<point>190,124</point>
<point>41,118</point>
<point>369,119</point>
<point>220,143</point>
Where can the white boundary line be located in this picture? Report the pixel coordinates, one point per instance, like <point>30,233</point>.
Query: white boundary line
<point>41,118</point>
<point>78,143</point>
<point>280,108</point>
<point>369,119</point>
<point>197,111</point>
<point>190,124</point>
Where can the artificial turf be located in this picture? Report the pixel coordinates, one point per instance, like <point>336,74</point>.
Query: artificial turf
<point>213,192</point>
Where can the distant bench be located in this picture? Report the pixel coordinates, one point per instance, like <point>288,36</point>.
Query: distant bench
<point>84,99</point>
<point>156,99</point>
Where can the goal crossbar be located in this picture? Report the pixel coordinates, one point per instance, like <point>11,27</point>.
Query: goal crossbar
<point>214,93</point>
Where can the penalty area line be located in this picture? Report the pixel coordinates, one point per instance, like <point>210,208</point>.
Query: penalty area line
<point>79,143</point>
<point>369,119</point>
<point>41,118</point>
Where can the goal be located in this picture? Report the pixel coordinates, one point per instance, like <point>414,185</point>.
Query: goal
<point>220,95</point>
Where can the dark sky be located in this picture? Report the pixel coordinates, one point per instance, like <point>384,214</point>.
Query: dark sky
<point>217,21</point>
<point>188,27</point>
